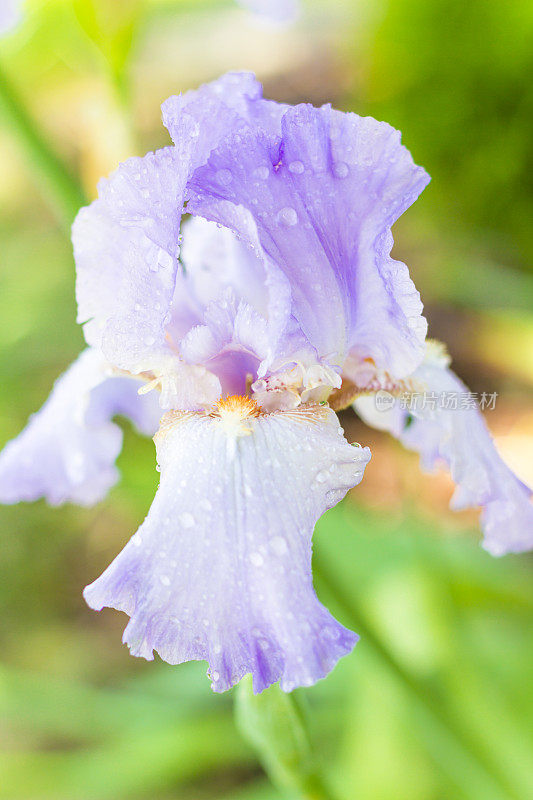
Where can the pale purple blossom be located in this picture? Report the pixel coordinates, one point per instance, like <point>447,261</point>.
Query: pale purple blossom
<point>281,297</point>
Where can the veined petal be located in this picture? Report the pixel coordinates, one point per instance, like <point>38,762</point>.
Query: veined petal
<point>216,259</point>
<point>220,108</point>
<point>126,245</point>
<point>231,343</point>
<point>67,451</point>
<point>323,197</point>
<point>221,568</point>
<point>458,437</point>
<point>246,299</point>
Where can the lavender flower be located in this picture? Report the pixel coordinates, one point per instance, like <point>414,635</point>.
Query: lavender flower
<point>284,297</point>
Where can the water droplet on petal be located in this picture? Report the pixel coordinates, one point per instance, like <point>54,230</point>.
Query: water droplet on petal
<point>321,476</point>
<point>256,559</point>
<point>149,340</point>
<point>261,172</point>
<point>165,580</point>
<point>164,259</point>
<point>186,519</point>
<point>288,216</point>
<point>340,169</point>
<point>296,167</point>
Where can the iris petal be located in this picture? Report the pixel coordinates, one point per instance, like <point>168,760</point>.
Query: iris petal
<point>323,197</point>
<point>126,246</point>
<point>67,451</point>
<point>459,438</point>
<point>221,568</point>
<point>126,243</point>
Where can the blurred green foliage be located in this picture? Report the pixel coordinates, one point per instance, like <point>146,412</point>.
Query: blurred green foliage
<point>435,702</point>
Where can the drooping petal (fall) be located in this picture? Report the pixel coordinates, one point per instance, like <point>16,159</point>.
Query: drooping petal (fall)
<point>454,434</point>
<point>221,568</point>
<point>68,449</point>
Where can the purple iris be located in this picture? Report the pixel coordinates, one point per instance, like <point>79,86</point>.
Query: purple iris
<point>281,304</point>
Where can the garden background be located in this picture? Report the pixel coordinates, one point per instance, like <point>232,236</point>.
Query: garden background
<point>436,701</point>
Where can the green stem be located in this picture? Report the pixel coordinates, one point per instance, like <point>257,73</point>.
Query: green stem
<point>59,183</point>
<point>454,743</point>
<point>274,724</point>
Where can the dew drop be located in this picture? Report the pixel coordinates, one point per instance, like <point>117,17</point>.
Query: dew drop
<point>164,259</point>
<point>296,167</point>
<point>261,172</point>
<point>288,216</point>
<point>215,676</point>
<point>340,169</point>
<point>149,340</point>
<point>165,580</point>
<point>186,519</point>
<point>321,476</point>
<point>256,559</point>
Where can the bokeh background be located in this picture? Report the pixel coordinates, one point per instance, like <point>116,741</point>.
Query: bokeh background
<point>436,701</point>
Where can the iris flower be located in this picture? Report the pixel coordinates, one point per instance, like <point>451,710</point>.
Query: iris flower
<point>281,305</point>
